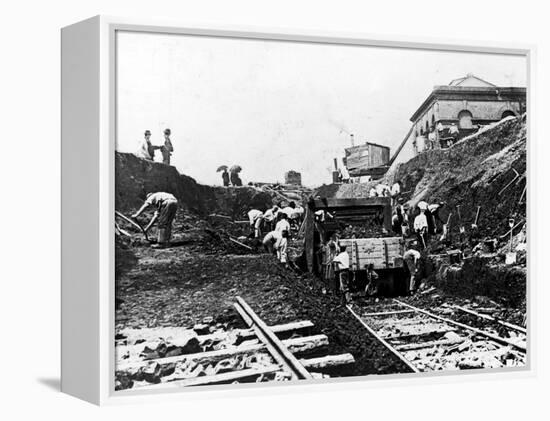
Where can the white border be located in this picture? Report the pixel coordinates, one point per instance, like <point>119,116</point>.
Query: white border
<point>108,26</point>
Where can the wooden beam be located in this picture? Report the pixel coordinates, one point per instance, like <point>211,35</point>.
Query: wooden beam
<point>301,345</point>
<point>223,378</point>
<point>331,203</point>
<point>430,344</point>
<point>328,361</point>
<point>240,244</point>
<point>387,313</point>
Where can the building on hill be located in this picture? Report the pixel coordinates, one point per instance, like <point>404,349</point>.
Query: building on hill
<point>453,111</point>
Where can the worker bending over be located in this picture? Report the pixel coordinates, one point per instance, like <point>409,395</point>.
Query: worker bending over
<point>166,206</point>
<point>275,242</point>
<point>342,271</point>
<point>255,217</point>
<point>283,224</point>
<point>270,217</point>
<point>411,259</point>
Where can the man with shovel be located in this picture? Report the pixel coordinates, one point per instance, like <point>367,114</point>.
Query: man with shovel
<point>166,206</point>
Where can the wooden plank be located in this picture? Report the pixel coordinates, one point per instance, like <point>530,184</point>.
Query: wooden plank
<point>496,338</point>
<point>388,313</point>
<point>429,344</point>
<point>331,203</point>
<point>383,342</point>
<point>239,243</point>
<point>328,361</point>
<point>295,345</point>
<point>222,378</point>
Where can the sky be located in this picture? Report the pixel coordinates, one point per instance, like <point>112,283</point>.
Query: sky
<point>274,106</point>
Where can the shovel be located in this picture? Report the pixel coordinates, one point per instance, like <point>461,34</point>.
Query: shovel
<point>511,256</point>
<point>461,228</point>
<point>133,222</point>
<point>474,225</point>
<point>446,228</point>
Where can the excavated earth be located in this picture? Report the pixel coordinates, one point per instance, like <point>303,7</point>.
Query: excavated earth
<point>182,285</point>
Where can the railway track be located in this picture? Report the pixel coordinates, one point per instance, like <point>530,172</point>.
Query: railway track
<point>432,341</point>
<point>259,353</point>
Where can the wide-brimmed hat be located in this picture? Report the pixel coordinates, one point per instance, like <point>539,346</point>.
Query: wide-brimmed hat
<point>147,132</point>
<point>167,131</point>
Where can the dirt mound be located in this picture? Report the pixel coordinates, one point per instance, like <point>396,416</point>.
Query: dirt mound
<point>474,172</point>
<point>136,177</point>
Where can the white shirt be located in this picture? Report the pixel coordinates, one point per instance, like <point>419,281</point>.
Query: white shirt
<point>297,212</point>
<point>343,260</point>
<point>282,225</point>
<point>395,189</point>
<point>288,211</point>
<point>160,198</point>
<point>253,215</point>
<point>412,253</point>
<point>420,222</point>
<point>270,214</point>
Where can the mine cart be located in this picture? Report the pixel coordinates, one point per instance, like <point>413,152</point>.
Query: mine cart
<point>364,227</point>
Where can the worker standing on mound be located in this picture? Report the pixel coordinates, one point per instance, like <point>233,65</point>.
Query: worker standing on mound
<point>166,149</point>
<point>146,149</point>
<point>166,206</point>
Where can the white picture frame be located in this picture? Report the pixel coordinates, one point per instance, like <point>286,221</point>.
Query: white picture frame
<point>88,144</point>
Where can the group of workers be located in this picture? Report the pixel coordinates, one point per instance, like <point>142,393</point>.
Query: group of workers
<point>146,149</point>
<point>425,223</point>
<point>447,136</point>
<point>276,222</point>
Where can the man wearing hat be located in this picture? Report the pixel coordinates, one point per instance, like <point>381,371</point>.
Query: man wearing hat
<point>146,149</point>
<point>167,148</point>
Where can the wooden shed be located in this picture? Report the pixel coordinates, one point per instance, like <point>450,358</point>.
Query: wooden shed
<point>367,159</point>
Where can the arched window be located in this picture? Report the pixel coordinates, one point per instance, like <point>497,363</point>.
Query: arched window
<point>465,120</point>
<point>507,113</point>
<point>433,121</point>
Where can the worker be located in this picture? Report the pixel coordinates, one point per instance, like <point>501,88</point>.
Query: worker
<point>431,138</point>
<point>289,210</point>
<point>166,206</point>
<point>342,271</point>
<point>454,133</point>
<point>412,259</point>
<point>282,224</point>
<point>275,242</point>
<point>270,216</point>
<point>297,214</point>
<point>225,178</point>
<point>332,250</point>
<point>397,221</point>
<point>372,281</point>
<point>146,149</point>
<point>395,189</point>
<point>166,149</point>
<point>421,227</point>
<point>255,217</point>
<point>434,215</point>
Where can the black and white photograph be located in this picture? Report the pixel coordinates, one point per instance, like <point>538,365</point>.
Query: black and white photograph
<point>290,211</point>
